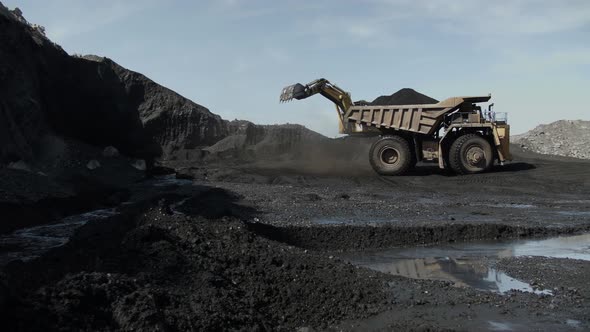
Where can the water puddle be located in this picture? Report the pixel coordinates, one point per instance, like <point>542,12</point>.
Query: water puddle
<point>174,207</point>
<point>574,213</point>
<point>470,264</point>
<point>572,201</point>
<point>352,221</point>
<point>167,180</point>
<point>500,326</point>
<point>28,243</point>
<point>573,323</point>
<point>515,206</point>
<point>507,205</point>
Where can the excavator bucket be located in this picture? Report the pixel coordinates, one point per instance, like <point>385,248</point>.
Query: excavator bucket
<point>297,91</point>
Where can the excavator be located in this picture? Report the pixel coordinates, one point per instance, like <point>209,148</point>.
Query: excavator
<point>455,133</point>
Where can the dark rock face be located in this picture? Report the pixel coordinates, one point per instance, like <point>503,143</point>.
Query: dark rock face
<point>135,114</point>
<point>43,91</point>
<point>28,66</point>
<point>404,96</point>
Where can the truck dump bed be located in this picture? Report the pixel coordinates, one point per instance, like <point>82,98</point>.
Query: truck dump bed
<point>422,119</point>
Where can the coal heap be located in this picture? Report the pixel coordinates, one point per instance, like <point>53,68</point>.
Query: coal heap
<point>404,96</point>
<point>46,92</point>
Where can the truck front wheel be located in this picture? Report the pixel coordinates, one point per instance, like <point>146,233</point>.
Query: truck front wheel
<point>470,154</point>
<point>391,155</point>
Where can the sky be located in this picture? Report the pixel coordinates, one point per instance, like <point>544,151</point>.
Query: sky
<point>235,56</point>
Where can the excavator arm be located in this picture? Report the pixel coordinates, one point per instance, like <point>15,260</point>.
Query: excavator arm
<point>322,86</point>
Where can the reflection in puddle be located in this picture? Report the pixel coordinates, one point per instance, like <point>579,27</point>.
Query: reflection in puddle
<point>174,207</point>
<point>500,326</point>
<point>168,180</point>
<point>574,213</point>
<point>28,243</point>
<point>347,221</point>
<point>469,264</point>
<point>462,272</point>
<point>502,283</point>
<point>516,206</point>
<point>574,247</point>
<point>573,323</point>
<point>507,205</point>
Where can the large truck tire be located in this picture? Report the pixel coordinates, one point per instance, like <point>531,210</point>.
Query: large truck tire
<point>391,155</point>
<point>470,154</point>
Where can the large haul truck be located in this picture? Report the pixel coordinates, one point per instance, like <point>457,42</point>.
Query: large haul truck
<point>455,133</point>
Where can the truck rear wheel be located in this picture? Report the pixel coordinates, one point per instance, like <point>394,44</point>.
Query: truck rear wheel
<point>470,154</point>
<point>391,155</point>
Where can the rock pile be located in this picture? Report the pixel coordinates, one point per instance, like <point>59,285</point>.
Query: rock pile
<point>568,138</point>
<point>204,270</point>
<point>251,141</point>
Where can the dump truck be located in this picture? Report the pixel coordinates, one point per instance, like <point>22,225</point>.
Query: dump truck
<point>455,133</point>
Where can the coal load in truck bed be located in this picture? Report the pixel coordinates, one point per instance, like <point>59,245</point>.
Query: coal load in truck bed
<point>404,96</point>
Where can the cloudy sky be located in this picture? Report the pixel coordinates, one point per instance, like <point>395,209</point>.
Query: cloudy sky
<point>235,56</point>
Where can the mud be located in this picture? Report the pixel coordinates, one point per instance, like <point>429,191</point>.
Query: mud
<point>263,247</point>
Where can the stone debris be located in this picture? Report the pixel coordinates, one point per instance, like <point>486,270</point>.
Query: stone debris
<point>93,164</point>
<point>20,165</point>
<point>139,164</point>
<point>110,152</point>
<point>568,138</point>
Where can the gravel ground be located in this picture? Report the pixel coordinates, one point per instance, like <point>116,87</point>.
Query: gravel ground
<point>256,248</point>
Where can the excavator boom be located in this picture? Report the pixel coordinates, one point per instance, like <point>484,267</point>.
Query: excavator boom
<point>322,86</point>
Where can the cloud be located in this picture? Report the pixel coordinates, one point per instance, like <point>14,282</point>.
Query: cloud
<point>362,31</point>
<point>242,9</point>
<point>75,18</point>
<point>277,55</point>
<point>334,31</point>
<point>543,63</point>
<point>387,20</point>
<point>266,57</point>
<point>501,17</point>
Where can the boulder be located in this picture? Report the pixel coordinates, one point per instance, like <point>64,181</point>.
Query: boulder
<point>20,165</point>
<point>110,152</point>
<point>139,164</point>
<point>93,164</point>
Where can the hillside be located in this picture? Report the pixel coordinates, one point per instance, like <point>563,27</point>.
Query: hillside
<point>47,95</point>
<point>45,92</point>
